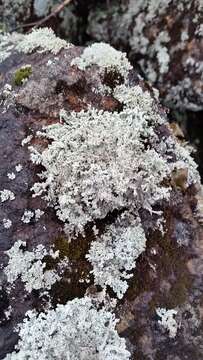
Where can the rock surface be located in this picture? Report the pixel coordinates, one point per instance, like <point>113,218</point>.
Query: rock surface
<point>163,37</point>
<point>168,273</point>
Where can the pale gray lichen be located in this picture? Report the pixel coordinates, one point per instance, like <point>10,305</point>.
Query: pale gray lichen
<point>6,195</point>
<point>11,176</point>
<point>74,331</point>
<point>28,265</point>
<point>27,216</point>
<point>105,56</point>
<point>146,29</point>
<point>12,12</point>
<point>26,140</point>
<point>38,214</point>
<point>8,43</point>
<point>41,40</point>
<point>167,320</point>
<point>8,312</point>
<point>19,168</point>
<point>7,223</point>
<point>96,159</point>
<point>113,255</point>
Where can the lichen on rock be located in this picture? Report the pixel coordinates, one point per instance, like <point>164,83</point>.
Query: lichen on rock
<point>163,38</point>
<point>76,330</point>
<point>101,180</point>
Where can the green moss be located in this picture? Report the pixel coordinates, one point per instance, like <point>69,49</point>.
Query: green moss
<point>76,249</point>
<point>50,262</point>
<point>22,74</point>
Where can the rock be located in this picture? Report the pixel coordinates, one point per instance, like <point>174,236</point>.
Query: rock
<point>21,15</point>
<point>163,38</point>
<point>98,201</point>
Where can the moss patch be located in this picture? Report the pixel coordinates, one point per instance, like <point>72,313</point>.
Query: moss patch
<point>76,249</point>
<point>22,74</point>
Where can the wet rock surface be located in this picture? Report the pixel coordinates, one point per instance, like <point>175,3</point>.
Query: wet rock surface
<point>167,275</point>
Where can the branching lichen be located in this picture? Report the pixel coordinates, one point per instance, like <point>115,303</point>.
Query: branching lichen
<point>113,255</point>
<point>75,331</point>
<point>30,267</point>
<point>39,40</point>
<point>167,320</point>
<point>104,56</point>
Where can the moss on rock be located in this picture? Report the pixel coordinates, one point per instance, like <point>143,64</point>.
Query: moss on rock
<point>22,74</point>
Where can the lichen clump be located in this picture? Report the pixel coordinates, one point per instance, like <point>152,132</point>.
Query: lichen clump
<point>29,266</point>
<point>104,56</point>
<point>95,164</point>
<point>39,40</point>
<point>98,162</point>
<point>167,320</point>
<point>77,330</point>
<point>22,74</point>
<point>113,255</point>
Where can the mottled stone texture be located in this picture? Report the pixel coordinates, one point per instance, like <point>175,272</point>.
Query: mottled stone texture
<point>21,15</point>
<point>167,274</point>
<point>163,38</point>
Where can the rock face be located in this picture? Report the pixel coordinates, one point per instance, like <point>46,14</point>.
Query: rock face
<point>18,14</point>
<point>163,37</point>
<point>98,209</point>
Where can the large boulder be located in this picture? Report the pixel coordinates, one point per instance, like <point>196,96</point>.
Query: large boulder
<point>99,210</point>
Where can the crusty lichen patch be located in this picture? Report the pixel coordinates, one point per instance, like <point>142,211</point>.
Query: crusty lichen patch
<point>78,327</point>
<point>30,267</point>
<point>39,40</point>
<point>98,162</point>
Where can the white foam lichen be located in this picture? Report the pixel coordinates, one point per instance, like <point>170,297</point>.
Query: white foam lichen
<point>113,255</point>
<point>41,40</point>
<point>95,160</point>
<point>11,176</point>
<point>38,214</point>
<point>26,140</point>
<point>74,331</point>
<point>6,195</point>
<point>7,223</point>
<point>27,216</point>
<point>8,43</point>
<point>167,320</point>
<point>105,56</point>
<point>28,265</point>
<point>18,168</point>
<point>98,161</point>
